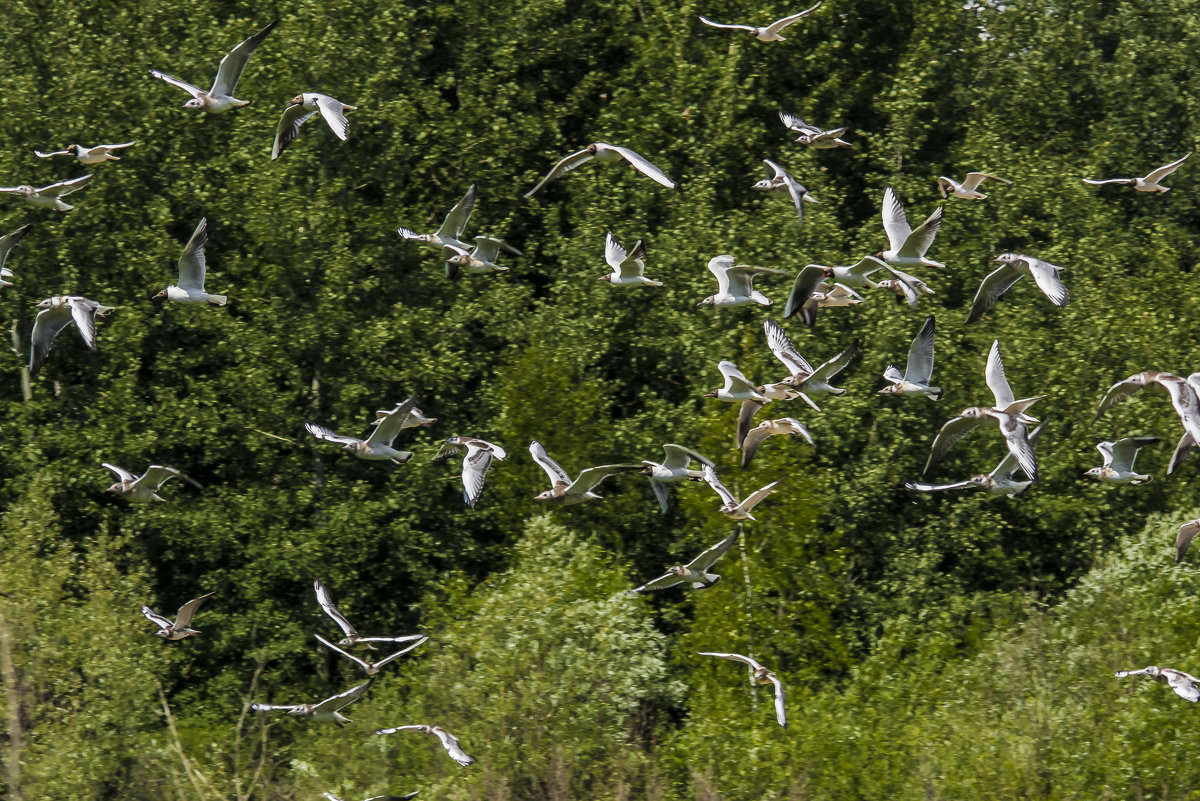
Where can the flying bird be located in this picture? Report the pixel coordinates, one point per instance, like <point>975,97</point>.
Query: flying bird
<point>1183,541</point>
<point>144,488</point>
<point>779,184</point>
<point>998,482</point>
<point>1011,427</point>
<point>481,260</point>
<point>408,797</point>
<point>627,265</point>
<point>87,155</point>
<point>1118,461</point>
<point>192,266</point>
<point>907,246</point>
<point>301,108</point>
<point>784,426</point>
<point>57,312</point>
<point>919,368</point>
<point>811,135</point>
<point>182,625</point>
<point>768,33</point>
<point>565,491</point>
<point>353,639</point>
<point>48,197</point>
<point>378,444</point>
<point>1185,398</point>
<point>605,154</point>
<point>1184,684</point>
<point>1012,267</point>
<point>760,676</point>
<point>735,283</point>
<point>220,97</point>
<point>803,377</point>
<point>449,741</point>
<point>731,507</point>
<point>476,463</point>
<point>968,189</point>
<point>371,668</point>
<point>7,243</point>
<point>1149,183</point>
<point>327,710</point>
<point>694,571</point>
<point>675,467</point>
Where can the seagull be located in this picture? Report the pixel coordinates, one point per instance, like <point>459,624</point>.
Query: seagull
<point>694,571</point>
<point>784,426</point>
<point>907,246</point>
<point>449,741</point>
<point>803,377</point>
<point>732,508</point>
<point>414,419</point>
<point>48,197</point>
<point>480,261</point>
<point>1011,426</point>
<point>811,290</point>
<point>450,234</point>
<point>7,243</point>
<point>998,482</point>
<point>761,676</point>
<point>87,155</point>
<point>372,668</point>
<point>378,445</point>
<point>1185,397</point>
<point>329,709</point>
<point>605,154</point>
<point>780,184</point>
<point>1012,267</point>
<point>566,491</point>
<point>906,287</point>
<point>673,468</point>
<point>1184,684</point>
<point>736,388</point>
<point>352,638</point>
<point>57,312</point>
<point>144,488</point>
<point>302,107</point>
<point>182,626</point>
<point>1150,183</point>
<point>811,135</point>
<point>770,33</point>
<point>918,369</point>
<point>220,98</point>
<point>475,465</point>
<point>1118,461</point>
<point>967,190</point>
<point>1002,393</point>
<point>627,265</point>
<point>191,272</point>
<point>1183,541</point>
<point>735,283</point>
<point>407,797</point>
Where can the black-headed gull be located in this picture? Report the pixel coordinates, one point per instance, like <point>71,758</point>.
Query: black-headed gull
<point>802,376</point>
<point>144,488</point>
<point>563,489</point>
<point>327,710</point>
<point>675,467</point>
<point>766,33</point>
<point>1011,427</point>
<point>811,135</point>
<point>302,107</point>
<point>48,197</point>
<point>57,312</point>
<point>448,740</point>
<point>371,667</point>
<point>737,387</point>
<point>919,368</point>
<point>481,259</point>
<point>1184,684</point>
<point>352,639</point>
<point>182,625</point>
<point>907,246</point>
<point>969,188</point>
<point>476,463</point>
<point>735,283</point>
<point>1148,183</point>
<point>731,507</point>
<point>192,267</point>
<point>87,155</point>
<point>1185,398</point>
<point>1119,457</point>
<point>378,444</point>
<point>780,184</point>
<point>220,97</point>
<point>998,482</point>
<point>450,234</point>
<point>760,676</point>
<point>1012,267</point>
<point>605,154</point>
<point>695,571</point>
<point>627,265</point>
<point>784,426</point>
<point>7,243</point>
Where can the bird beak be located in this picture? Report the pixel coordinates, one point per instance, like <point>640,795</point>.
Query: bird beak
<point>808,197</point>
<point>160,296</point>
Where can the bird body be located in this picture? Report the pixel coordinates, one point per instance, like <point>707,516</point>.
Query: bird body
<point>48,197</point>
<point>481,260</point>
<point>352,639</point>
<point>1119,457</point>
<point>919,368</point>
<point>372,668</point>
<point>377,446</point>
<point>779,184</point>
<point>968,189</point>
<point>766,33</point>
<point>328,710</point>
<point>182,625</point>
<point>695,571</point>
<point>192,268</point>
<point>144,488</point>
<point>57,312</point>
<point>735,283</point>
<point>219,98</point>
<point>1184,684</point>
<point>998,482</point>
<point>87,155</point>
<point>450,233</point>
<point>301,108</point>
<point>604,154</point>
<point>731,507</point>
<point>759,675</point>
<point>675,467</point>
<point>811,135</point>
<point>448,740</point>
<point>1012,267</point>
<point>627,266</point>
<point>1149,183</point>
<point>565,491</point>
<point>476,463</point>
<point>1185,398</point>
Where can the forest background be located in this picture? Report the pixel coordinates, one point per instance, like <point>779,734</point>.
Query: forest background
<point>933,646</point>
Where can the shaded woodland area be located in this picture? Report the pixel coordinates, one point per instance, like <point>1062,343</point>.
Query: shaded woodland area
<point>933,646</point>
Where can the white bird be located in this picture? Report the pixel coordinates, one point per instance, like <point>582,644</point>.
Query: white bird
<point>784,426</point>
<point>566,491</point>
<point>1012,267</point>
<point>1119,457</point>
<point>919,368</point>
<point>144,488</point>
<point>968,189</point>
<point>1149,183</point>
<point>780,184</point>
<point>87,155</point>
<point>450,234</point>
<point>449,741</point>
<point>768,33</point>
<point>302,107</point>
<point>378,444</point>
<point>736,387</point>
<point>57,312</point>
<point>1011,427</point>
<point>192,266</point>
<point>1185,398</point>
<point>811,291</point>
<point>802,376</point>
<point>627,265</point>
<point>731,507</point>
<point>353,639</point>
<point>48,197</point>
<point>406,797</point>
<point>997,382</point>
<point>998,482</point>
<point>329,709</point>
<point>182,625</point>
<point>1184,684</point>
<point>605,154</point>
<point>906,287</point>
<point>414,419</point>
<point>813,136</point>
<point>1183,540</point>
<point>7,243</point>
<point>760,676</point>
<point>371,668</point>
<point>675,467</point>
<point>220,97</point>
<point>481,260</point>
<point>735,283</point>
<point>475,464</point>
<point>695,571</point>
<point>907,246</point>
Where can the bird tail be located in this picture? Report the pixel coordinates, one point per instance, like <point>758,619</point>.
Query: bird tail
<point>217,300</point>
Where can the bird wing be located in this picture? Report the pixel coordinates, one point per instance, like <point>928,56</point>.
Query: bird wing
<point>719,266</point>
<point>1183,451</point>
<point>65,187</point>
<point>589,478</point>
<point>974,179</point>
<point>456,220</point>
<point>710,476</point>
<point>712,24</point>
<point>838,363</point>
<point>710,555</point>
<point>614,253</point>
<point>448,449</point>
<point>795,191</point>
<point>660,583</point>
<point>321,432</point>
<point>83,313</point>
<point>921,486</point>
<point>734,380</point>
<point>288,129</point>
<point>750,444</point>
<point>780,711</point>
<point>921,238</point>
<point>1187,533</point>
<point>1124,450</point>
<point>994,285</point>
<point>411,727</point>
<point>643,165</point>
<point>755,498</point>
<point>1008,464</point>
<point>679,456</point>
<point>746,419</point>
<point>807,281</point>
<point>156,618</point>
<point>736,657</point>
<point>400,653</point>
<point>156,475</point>
<point>334,114</point>
<point>42,155</point>
<point>46,326</point>
<point>362,663</point>
<point>388,427</point>
<point>791,121</point>
<point>781,345</point>
<point>895,223</point>
<point>1123,389</point>
<point>945,186</point>
<point>184,85</point>
<point>474,471</point>
<point>779,25</point>
<point>121,472</point>
<point>1016,436</point>
<point>343,699</point>
<point>919,368</point>
<point>183,618</point>
<point>557,475</point>
<point>660,494</point>
<point>235,61</point>
<point>9,241</point>
<point>1106,450</point>
<point>1098,182</point>
<point>996,380</point>
<point>1045,275</point>
<point>564,166</point>
<point>192,262</point>
<point>954,429</point>
<point>1183,684</point>
<point>450,743</point>
<point>1163,172</point>
<point>487,249</point>
<point>326,603</point>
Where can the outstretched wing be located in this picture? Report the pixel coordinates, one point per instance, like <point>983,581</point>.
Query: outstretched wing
<point>712,24</point>
<point>1045,275</point>
<point>565,165</point>
<point>186,612</point>
<point>592,476</point>
<point>121,472</point>
<point>321,432</point>
<point>807,282</point>
<point>456,221</point>
<point>9,241</point>
<point>994,285</point>
<point>46,326</point>
<point>159,620</point>
<point>334,113</point>
<point>1164,171</point>
<point>335,702</point>
<point>557,475</point>
<point>326,603</point>
<point>660,583</point>
<point>838,363</point>
<point>192,262</point>
<point>388,427</point>
<point>643,165</point>
<point>288,129</point>
<point>184,85</point>
<point>955,429</point>
<point>235,61</point>
<point>919,367</point>
<point>735,657</point>
<point>895,223</point>
<point>779,25</point>
<point>711,554</point>
<point>474,470</point>
<point>781,345</point>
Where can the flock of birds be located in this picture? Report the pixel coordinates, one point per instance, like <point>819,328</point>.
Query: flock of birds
<point>816,286</point>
